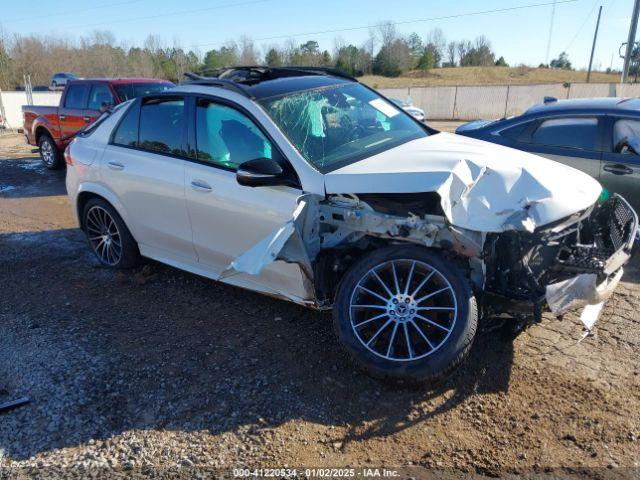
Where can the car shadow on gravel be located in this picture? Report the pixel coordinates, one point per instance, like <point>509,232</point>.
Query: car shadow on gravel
<point>102,352</point>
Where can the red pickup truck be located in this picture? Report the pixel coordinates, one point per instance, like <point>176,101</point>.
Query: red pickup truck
<point>82,101</point>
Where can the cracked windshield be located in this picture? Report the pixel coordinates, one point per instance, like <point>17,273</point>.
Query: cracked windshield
<point>333,127</point>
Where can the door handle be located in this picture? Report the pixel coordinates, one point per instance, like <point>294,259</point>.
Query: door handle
<point>200,186</point>
<point>62,117</point>
<point>618,169</point>
<point>115,166</point>
<point>86,118</point>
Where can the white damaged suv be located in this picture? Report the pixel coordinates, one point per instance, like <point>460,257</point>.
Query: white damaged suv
<point>306,185</point>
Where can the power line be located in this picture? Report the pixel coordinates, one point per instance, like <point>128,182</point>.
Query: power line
<point>70,12</point>
<point>170,14</point>
<point>575,37</point>
<point>405,22</point>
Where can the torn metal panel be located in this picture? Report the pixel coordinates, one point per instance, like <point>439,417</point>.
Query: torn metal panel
<point>284,243</point>
<point>483,187</point>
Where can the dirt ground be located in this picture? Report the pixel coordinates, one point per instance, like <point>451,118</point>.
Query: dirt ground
<point>156,371</point>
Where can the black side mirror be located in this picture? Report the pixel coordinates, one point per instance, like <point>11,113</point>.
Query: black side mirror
<point>261,172</point>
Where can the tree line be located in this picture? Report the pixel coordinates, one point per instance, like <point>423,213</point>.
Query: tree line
<point>385,52</point>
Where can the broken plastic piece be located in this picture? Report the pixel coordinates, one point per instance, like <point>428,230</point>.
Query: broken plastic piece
<point>589,317</point>
<point>6,406</point>
<point>580,291</point>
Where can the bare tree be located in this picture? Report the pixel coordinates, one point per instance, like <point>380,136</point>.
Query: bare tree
<point>247,51</point>
<point>451,54</point>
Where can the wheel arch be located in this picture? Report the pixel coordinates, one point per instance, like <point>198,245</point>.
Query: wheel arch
<point>93,190</point>
<point>40,131</point>
<point>331,265</point>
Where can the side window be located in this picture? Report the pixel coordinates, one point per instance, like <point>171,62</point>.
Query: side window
<point>75,96</point>
<point>226,138</point>
<point>577,133</point>
<point>127,132</point>
<point>516,132</point>
<point>161,122</point>
<point>626,136</point>
<point>99,95</point>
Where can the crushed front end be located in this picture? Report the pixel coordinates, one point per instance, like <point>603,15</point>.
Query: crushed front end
<point>571,263</point>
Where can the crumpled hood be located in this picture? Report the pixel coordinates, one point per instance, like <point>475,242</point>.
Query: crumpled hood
<point>483,186</point>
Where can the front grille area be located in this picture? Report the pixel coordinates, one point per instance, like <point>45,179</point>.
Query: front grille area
<point>520,265</point>
<point>621,223</point>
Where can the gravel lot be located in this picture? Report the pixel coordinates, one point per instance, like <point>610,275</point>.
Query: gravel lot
<point>156,371</point>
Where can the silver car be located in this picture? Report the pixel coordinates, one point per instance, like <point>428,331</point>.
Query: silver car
<point>61,79</point>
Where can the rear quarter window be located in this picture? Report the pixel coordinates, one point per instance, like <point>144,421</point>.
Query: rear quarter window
<point>126,133</point>
<point>515,132</point>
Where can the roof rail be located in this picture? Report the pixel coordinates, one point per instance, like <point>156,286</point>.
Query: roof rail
<point>216,82</point>
<point>257,72</point>
<point>550,100</point>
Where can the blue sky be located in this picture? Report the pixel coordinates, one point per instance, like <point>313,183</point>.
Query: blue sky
<point>519,35</point>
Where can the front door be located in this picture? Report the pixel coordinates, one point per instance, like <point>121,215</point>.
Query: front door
<point>620,171</point>
<point>228,219</point>
<point>100,98</point>
<point>71,113</point>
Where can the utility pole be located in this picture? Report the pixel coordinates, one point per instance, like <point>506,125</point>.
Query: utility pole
<point>631,41</point>
<point>553,14</point>
<point>593,48</point>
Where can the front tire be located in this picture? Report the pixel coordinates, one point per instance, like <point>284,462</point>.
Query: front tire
<point>49,153</point>
<point>108,236</point>
<point>405,313</point>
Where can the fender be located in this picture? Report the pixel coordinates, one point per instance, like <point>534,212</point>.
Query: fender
<point>109,196</point>
<point>41,121</point>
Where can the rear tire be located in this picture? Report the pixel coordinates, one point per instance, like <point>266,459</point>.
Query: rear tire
<point>49,153</point>
<point>108,236</point>
<point>400,329</point>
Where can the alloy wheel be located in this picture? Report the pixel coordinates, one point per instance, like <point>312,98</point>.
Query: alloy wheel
<point>104,235</point>
<point>403,310</point>
<point>46,150</point>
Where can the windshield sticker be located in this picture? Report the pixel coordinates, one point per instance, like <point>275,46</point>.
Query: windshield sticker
<point>382,106</point>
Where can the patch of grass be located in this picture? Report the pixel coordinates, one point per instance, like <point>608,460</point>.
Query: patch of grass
<point>487,76</point>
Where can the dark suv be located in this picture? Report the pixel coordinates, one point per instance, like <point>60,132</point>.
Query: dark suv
<point>600,136</point>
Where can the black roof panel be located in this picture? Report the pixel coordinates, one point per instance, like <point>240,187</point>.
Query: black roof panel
<point>286,85</point>
<point>587,104</point>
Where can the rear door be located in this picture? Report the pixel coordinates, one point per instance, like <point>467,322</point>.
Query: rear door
<point>620,172</point>
<point>144,166</point>
<point>573,140</point>
<point>71,114</point>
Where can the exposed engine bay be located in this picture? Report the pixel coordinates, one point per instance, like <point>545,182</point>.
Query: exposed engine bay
<point>523,270</point>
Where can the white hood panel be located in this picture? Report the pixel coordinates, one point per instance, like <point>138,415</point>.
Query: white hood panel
<point>483,186</point>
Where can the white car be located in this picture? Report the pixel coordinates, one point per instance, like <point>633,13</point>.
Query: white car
<point>412,110</point>
<point>309,186</point>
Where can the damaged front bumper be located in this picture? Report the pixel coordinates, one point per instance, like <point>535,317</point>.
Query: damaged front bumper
<point>575,264</point>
